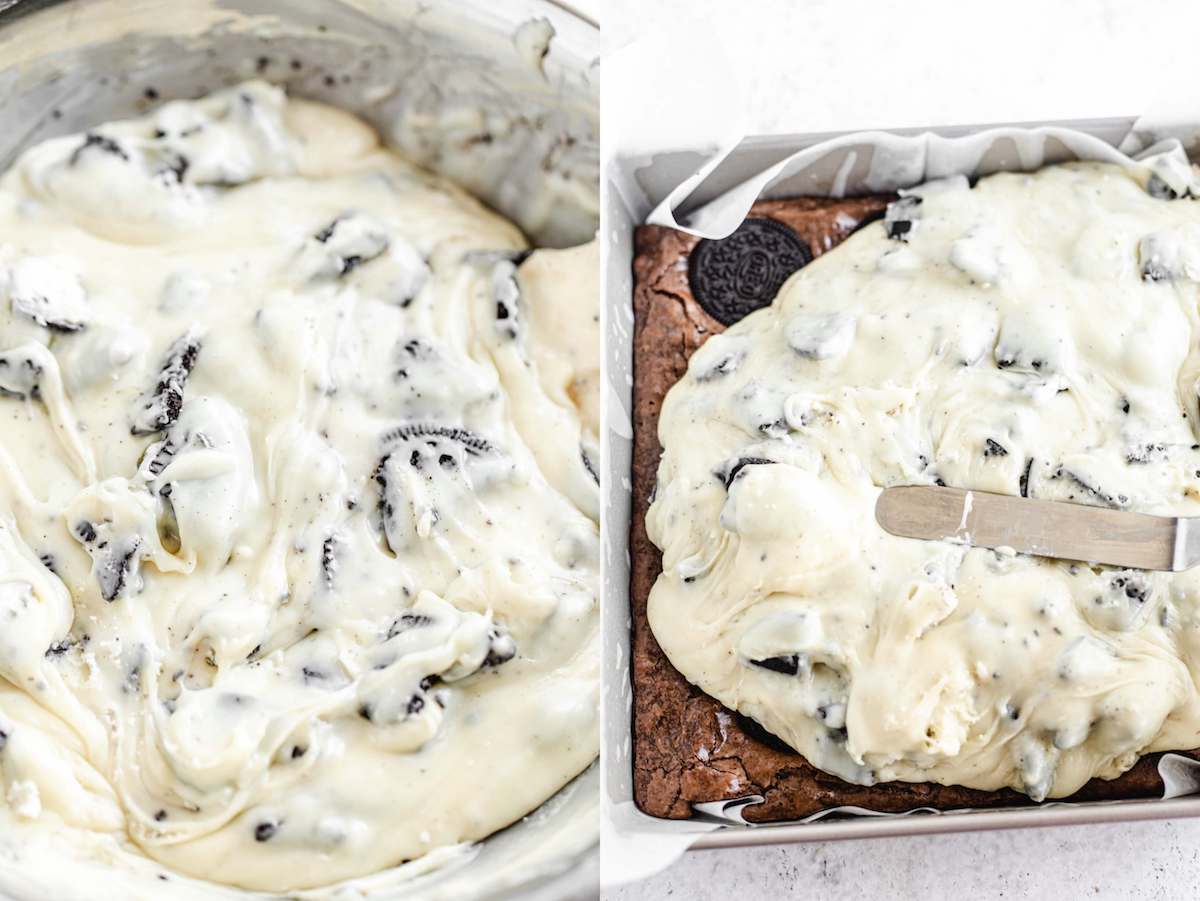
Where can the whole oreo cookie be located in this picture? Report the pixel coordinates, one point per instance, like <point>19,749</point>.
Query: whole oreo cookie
<point>734,276</point>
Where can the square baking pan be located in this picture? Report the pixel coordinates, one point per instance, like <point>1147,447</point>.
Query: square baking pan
<point>633,186</point>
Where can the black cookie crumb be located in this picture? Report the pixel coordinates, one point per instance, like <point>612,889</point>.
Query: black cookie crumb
<point>265,831</point>
<point>788,665</point>
<point>901,217</point>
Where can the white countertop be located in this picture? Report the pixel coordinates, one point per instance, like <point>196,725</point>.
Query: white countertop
<point>1134,862</point>
<point>825,65</point>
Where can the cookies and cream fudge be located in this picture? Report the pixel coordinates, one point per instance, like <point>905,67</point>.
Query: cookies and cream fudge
<point>298,502</point>
<point>1031,334</point>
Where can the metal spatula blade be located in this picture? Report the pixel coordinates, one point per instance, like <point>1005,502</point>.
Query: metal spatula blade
<point>1043,528</point>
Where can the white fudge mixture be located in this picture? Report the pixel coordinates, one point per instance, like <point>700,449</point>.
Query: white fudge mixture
<point>1034,335</point>
<point>298,504</point>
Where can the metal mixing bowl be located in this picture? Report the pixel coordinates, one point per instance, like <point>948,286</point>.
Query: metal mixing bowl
<point>461,86</point>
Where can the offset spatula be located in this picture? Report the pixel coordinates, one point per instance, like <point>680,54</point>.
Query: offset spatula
<point>1043,528</point>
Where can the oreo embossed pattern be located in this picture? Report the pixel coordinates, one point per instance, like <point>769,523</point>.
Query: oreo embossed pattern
<point>734,276</point>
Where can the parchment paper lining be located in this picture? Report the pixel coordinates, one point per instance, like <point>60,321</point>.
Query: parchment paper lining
<point>878,162</point>
<point>1180,776</point>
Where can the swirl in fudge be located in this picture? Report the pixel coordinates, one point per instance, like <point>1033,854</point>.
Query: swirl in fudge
<point>1032,335</point>
<point>298,523</point>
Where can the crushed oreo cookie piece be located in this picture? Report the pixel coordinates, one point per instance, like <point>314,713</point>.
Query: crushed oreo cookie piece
<point>265,830</point>
<point>1024,481</point>
<point>821,336</point>
<point>1133,585</point>
<point>475,464</point>
<point>901,217</point>
<point>471,443</point>
<point>1008,358</point>
<point>329,560</point>
<point>788,664</point>
<point>1094,492</point>
<point>115,557</point>
<point>51,296</point>
<point>732,469</point>
<point>1168,255</point>
<point>347,242</point>
<point>158,456</point>
<point>1125,603</point>
<point>507,295</point>
<point>172,167</point>
<point>58,648</point>
<point>501,647</point>
<point>723,365</point>
<point>20,374</point>
<point>161,409</point>
<point>93,141</point>
<point>408,621</point>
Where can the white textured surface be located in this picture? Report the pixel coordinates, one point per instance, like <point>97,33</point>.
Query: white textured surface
<point>1138,862</point>
<point>825,65</point>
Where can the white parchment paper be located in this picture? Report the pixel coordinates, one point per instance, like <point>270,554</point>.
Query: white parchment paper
<point>872,162</point>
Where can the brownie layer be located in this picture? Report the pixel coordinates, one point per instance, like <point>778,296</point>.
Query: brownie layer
<point>687,747</point>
